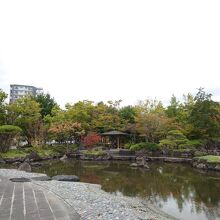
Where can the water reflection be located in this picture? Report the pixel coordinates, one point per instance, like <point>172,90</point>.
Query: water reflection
<point>177,189</point>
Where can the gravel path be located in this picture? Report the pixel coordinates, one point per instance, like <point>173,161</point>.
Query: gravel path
<point>92,203</point>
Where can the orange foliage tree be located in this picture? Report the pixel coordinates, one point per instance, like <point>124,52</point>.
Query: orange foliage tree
<point>91,140</point>
<point>66,131</point>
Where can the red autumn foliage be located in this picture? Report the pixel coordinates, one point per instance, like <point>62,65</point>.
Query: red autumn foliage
<point>91,140</point>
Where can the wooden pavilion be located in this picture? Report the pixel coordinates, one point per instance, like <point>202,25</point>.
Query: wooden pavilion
<point>113,138</point>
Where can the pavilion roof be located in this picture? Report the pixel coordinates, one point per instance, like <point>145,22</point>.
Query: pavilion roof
<point>114,133</point>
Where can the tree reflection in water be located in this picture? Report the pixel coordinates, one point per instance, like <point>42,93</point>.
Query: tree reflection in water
<point>163,184</point>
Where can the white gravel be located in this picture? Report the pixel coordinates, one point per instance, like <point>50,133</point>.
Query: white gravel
<point>13,173</point>
<point>92,203</point>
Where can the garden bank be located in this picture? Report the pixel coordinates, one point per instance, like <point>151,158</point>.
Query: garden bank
<point>34,156</point>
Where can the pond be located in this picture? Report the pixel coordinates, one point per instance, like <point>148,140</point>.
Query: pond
<point>177,189</point>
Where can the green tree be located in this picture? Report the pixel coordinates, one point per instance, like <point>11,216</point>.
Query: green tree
<point>47,103</point>
<point>66,132</point>
<point>128,114</point>
<point>205,116</point>
<point>81,112</point>
<point>3,97</point>
<point>150,106</point>
<point>180,112</point>
<point>175,139</point>
<point>151,120</point>
<point>25,113</point>
<point>185,110</point>
<point>153,126</point>
<point>173,109</point>
<point>106,117</point>
<point>99,118</point>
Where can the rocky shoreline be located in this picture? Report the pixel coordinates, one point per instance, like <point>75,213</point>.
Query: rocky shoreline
<point>205,165</point>
<point>33,160</point>
<point>91,202</point>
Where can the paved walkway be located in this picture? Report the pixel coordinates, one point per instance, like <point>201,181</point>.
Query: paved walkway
<point>26,201</point>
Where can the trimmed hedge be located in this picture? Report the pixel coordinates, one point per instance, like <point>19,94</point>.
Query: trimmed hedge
<point>4,129</point>
<point>177,140</point>
<point>144,145</point>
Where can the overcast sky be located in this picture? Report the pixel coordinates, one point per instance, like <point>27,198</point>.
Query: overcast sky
<point>115,49</point>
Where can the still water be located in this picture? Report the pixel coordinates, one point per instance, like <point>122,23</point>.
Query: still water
<point>177,189</point>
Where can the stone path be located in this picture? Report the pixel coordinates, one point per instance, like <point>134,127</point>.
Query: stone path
<point>26,201</point>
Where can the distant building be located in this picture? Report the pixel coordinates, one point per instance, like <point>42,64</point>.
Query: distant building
<point>18,91</point>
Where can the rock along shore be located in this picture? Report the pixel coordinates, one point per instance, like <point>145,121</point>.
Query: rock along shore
<point>91,202</point>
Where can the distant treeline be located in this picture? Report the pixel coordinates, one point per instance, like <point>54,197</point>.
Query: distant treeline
<point>41,119</point>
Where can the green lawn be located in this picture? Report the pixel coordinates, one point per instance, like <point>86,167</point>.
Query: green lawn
<point>95,152</point>
<point>13,154</point>
<point>209,158</point>
<point>43,151</point>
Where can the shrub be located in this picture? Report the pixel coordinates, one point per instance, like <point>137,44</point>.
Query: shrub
<point>176,134</point>
<point>177,140</point>
<point>177,137</point>
<point>7,134</point>
<point>91,140</point>
<point>10,129</point>
<point>144,145</point>
<point>192,144</point>
<point>127,146</point>
<point>165,143</point>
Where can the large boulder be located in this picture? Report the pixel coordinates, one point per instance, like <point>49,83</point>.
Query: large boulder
<point>33,156</point>
<point>25,167</point>
<point>69,178</point>
<point>194,163</point>
<point>140,165</point>
<point>2,160</point>
<point>141,161</point>
<point>146,166</point>
<point>217,167</point>
<point>17,163</point>
<point>201,166</point>
<point>20,180</point>
<point>134,165</point>
<point>64,157</point>
<point>35,164</point>
<point>104,157</point>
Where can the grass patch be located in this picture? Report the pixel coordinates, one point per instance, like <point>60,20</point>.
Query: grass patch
<point>95,152</point>
<point>56,150</point>
<point>43,151</point>
<point>200,153</point>
<point>209,159</point>
<point>13,154</point>
<point>182,150</point>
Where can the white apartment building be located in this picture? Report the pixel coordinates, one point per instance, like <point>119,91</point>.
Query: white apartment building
<point>18,91</point>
